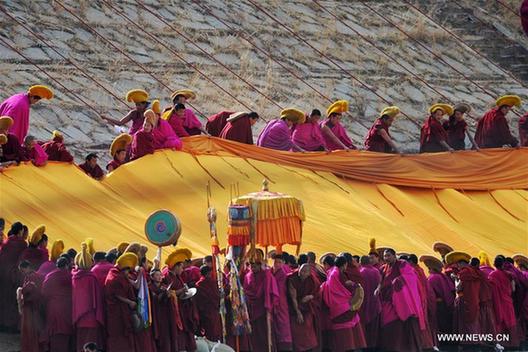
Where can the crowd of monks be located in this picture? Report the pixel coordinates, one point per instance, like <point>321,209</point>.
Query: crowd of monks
<point>63,300</point>
<point>152,128</point>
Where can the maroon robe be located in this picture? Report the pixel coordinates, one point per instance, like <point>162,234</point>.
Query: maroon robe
<point>431,134</point>
<point>428,340</point>
<point>11,151</point>
<point>443,290</point>
<point>57,293</point>
<point>305,335</point>
<point>374,142</point>
<point>100,270</point>
<point>35,255</point>
<point>87,308</point>
<point>95,172</point>
<point>238,130</point>
<point>142,144</point>
<point>119,328</point>
<point>57,151</point>
<point>32,334</point>
<point>114,163</point>
<point>505,319</point>
<point>486,313</point>
<point>215,123</point>
<point>188,314</point>
<point>371,307</point>
<point>164,323</point>
<point>467,303</point>
<point>523,129</point>
<point>10,279</point>
<point>493,131</point>
<point>208,297</point>
<point>281,316</point>
<point>143,338</point>
<point>456,133</point>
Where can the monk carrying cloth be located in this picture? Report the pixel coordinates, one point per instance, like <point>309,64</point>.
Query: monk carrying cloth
<point>492,129</point>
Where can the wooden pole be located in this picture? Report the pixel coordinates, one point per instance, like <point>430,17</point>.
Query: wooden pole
<point>268,318</point>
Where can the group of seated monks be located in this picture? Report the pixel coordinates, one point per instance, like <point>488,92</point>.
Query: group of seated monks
<point>62,299</point>
<point>153,128</point>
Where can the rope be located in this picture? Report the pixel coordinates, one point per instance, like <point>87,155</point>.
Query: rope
<point>328,58</point>
<point>460,40</point>
<point>175,53</point>
<point>509,8</point>
<point>58,2</point>
<point>49,76</point>
<point>62,56</point>
<point>426,48</point>
<point>158,16</point>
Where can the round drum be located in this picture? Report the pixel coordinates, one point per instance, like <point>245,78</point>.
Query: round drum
<point>163,228</point>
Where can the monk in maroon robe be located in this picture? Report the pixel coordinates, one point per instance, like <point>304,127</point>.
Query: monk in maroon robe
<point>120,302</point>
<point>103,262</point>
<point>164,322</point>
<point>433,137</point>
<point>118,160</point>
<point>262,295</point>
<point>493,130</point>
<point>303,291</point>
<point>371,307</point>
<point>443,289</point>
<point>401,312</point>
<point>186,311</point>
<point>143,141</point>
<point>281,316</point>
<point>32,333</point>
<point>378,137</point>
<point>523,130</point>
<point>457,129</point>
<point>176,120</point>
<point>11,150</point>
<point>216,123</point>
<point>10,276</point>
<point>56,149</point>
<point>36,253</point>
<point>88,302</point>
<point>57,294</point>
<point>91,168</point>
<point>208,297</point>
<point>135,115</point>
<point>143,338</point>
<point>238,127</point>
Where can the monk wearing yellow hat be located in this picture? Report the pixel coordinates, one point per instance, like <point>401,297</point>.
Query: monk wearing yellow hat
<point>10,146</point>
<point>335,135</point>
<point>277,133</point>
<point>37,252</point>
<point>56,149</point>
<point>523,130</point>
<point>190,122</point>
<point>433,137</point>
<point>457,128</point>
<point>140,98</point>
<point>118,151</point>
<point>17,107</point>
<point>492,129</point>
<point>378,137</point>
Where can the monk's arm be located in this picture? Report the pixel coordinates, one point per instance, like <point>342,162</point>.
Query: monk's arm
<point>328,132</point>
<point>130,303</point>
<point>446,146</point>
<point>121,122</point>
<point>472,140</point>
<point>296,147</point>
<point>388,139</point>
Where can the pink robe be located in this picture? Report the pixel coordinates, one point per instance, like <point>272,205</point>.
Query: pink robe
<point>164,136</point>
<point>17,107</point>
<point>276,135</point>
<point>190,121</point>
<point>281,318</point>
<point>308,136</point>
<point>340,132</point>
<point>100,270</point>
<point>36,154</point>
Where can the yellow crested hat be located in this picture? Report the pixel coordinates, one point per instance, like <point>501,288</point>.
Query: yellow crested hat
<point>391,111</point>
<point>83,259</point>
<point>446,108</point>
<point>510,100</point>
<point>187,93</point>
<point>56,250</point>
<point>122,246</point>
<point>339,106</point>
<point>484,258</point>
<point>127,260</point>
<point>372,246</point>
<point>155,106</point>
<point>3,139</point>
<point>294,115</point>
<point>57,135</point>
<point>36,236</point>
<point>520,259</point>
<point>120,143</point>
<point>442,248</point>
<point>456,256</point>
<point>137,96</point>
<point>41,91</point>
<point>6,122</point>
<point>431,262</point>
<point>90,244</point>
<point>179,255</point>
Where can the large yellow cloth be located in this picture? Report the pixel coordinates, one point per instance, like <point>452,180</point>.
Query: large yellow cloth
<point>341,213</point>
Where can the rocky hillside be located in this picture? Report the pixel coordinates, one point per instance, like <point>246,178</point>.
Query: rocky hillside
<point>260,55</point>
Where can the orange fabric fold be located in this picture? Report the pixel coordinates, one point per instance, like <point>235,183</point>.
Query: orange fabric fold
<point>487,169</point>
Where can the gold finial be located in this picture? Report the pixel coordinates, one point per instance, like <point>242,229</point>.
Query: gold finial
<point>265,185</point>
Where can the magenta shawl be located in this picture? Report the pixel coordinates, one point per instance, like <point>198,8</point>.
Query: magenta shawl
<point>276,135</point>
<point>340,132</point>
<point>337,298</point>
<point>17,107</point>
<point>164,136</point>
<point>308,136</point>
<point>261,292</point>
<point>87,304</point>
<point>190,120</point>
<point>443,287</point>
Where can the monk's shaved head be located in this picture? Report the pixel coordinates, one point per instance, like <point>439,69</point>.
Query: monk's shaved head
<point>305,270</point>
